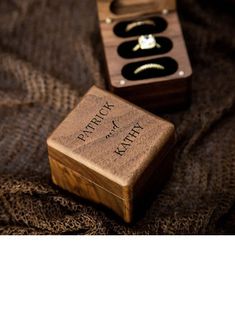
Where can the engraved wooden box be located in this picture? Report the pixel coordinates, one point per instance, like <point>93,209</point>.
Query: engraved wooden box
<point>136,33</point>
<point>111,152</point>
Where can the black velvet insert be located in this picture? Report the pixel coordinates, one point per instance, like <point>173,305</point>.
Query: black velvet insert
<point>126,48</point>
<point>160,26</point>
<point>169,64</point>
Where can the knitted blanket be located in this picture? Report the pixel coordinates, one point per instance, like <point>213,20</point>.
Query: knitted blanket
<point>50,55</point>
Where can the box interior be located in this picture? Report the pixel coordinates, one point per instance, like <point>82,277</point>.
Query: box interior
<point>142,40</point>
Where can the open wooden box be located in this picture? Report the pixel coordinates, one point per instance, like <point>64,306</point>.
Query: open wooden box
<point>146,57</point>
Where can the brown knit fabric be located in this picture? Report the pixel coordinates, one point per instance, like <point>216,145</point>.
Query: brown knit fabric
<point>49,56</point>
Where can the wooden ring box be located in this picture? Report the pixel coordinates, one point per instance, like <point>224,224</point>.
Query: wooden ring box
<point>111,152</point>
<point>153,89</point>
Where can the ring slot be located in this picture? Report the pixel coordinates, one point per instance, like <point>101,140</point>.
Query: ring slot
<point>126,49</point>
<point>154,68</point>
<point>131,28</point>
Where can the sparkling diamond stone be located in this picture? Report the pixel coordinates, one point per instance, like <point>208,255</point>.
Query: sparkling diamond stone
<point>147,42</point>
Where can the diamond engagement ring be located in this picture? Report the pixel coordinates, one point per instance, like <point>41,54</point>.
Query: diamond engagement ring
<point>146,42</point>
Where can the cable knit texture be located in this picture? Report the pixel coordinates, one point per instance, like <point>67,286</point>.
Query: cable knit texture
<point>50,54</point>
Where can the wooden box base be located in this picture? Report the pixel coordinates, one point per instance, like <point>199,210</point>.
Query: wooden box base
<point>70,180</point>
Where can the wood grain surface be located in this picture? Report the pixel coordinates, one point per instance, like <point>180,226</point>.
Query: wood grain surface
<point>121,9</point>
<point>113,146</point>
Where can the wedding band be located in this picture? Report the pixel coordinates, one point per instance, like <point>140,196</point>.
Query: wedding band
<point>133,25</point>
<point>147,67</point>
<point>146,42</point>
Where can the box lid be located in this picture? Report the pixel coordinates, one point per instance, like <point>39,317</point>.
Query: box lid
<point>111,142</point>
<point>119,9</point>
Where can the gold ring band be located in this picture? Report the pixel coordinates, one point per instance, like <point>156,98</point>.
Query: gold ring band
<point>147,67</point>
<point>133,25</point>
<point>136,48</point>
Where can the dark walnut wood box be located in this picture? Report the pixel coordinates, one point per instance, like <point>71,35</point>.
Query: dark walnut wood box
<point>153,88</point>
<point>111,152</point>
